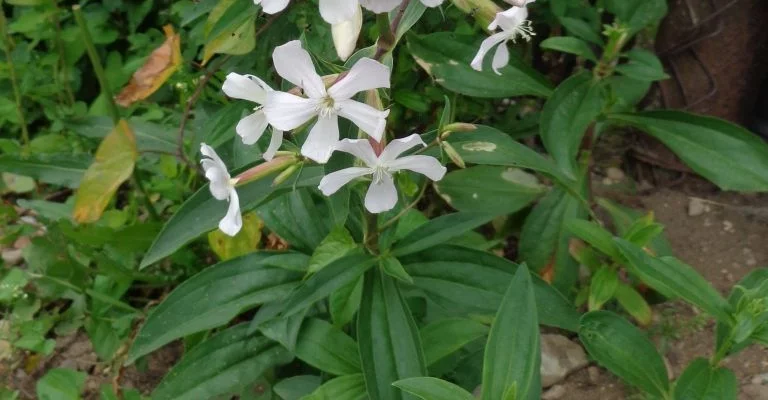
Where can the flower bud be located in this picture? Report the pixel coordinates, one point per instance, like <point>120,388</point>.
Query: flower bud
<point>260,171</point>
<point>484,11</point>
<point>457,127</point>
<point>345,35</point>
<point>454,155</point>
<point>280,179</point>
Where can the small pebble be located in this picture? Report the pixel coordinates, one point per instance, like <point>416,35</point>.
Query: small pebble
<point>697,207</point>
<point>615,174</point>
<point>556,392</point>
<point>594,374</point>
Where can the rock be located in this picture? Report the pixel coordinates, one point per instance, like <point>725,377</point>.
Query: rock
<point>761,379</point>
<point>559,357</point>
<point>615,174</point>
<point>12,256</point>
<point>22,242</point>
<point>594,374</point>
<point>754,392</point>
<point>697,206</point>
<point>728,226</point>
<point>556,392</point>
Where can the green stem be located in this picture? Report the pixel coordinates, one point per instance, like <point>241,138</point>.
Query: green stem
<point>14,81</point>
<point>145,196</point>
<point>98,68</point>
<point>371,239</point>
<point>62,55</point>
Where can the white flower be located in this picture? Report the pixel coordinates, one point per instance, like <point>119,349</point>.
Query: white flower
<point>337,11</point>
<point>222,188</point>
<point>250,128</point>
<point>286,111</point>
<point>513,23</point>
<point>272,6</point>
<point>345,35</point>
<point>382,193</point>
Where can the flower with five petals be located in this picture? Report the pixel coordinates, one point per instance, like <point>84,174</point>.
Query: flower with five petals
<point>382,193</point>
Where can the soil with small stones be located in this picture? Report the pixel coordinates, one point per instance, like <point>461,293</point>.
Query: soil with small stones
<point>723,244</point>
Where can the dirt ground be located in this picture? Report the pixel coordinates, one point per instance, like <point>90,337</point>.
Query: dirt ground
<point>723,244</point>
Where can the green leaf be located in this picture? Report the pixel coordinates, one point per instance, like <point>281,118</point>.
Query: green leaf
<point>643,66</point>
<point>701,381</point>
<point>576,103</point>
<point>336,245</point>
<point>222,364</point>
<point>571,45</point>
<point>327,348</point>
<point>149,136</point>
<point>283,330</point>
<point>439,230</point>
<point>61,384</point>
<point>447,336</point>
<point>751,281</point>
<point>344,302</point>
<point>544,239</point>
<point>602,287</point>
<point>427,388</point>
<point>392,267</point>
<point>489,189</point>
<point>634,303</point>
<point>637,14</point>
<point>623,219</point>
<point>473,281</point>
<point>410,17</point>
<point>674,278</point>
<point>513,353</point>
<point>338,274</point>
<point>390,348</point>
<point>280,216</point>
<point>235,37</point>
<point>201,212</point>
<point>595,235</point>
<point>349,387</point>
<point>582,29</point>
<point>446,57</point>
<point>216,295</point>
<point>625,351</point>
<point>728,155</point>
<point>296,387</point>
<point>60,169</point>
<point>12,285</point>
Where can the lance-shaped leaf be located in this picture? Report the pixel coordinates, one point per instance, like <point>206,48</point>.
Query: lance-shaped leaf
<point>113,165</point>
<point>57,169</point>
<point>327,348</point>
<point>427,388</point>
<point>489,189</point>
<point>702,381</point>
<point>439,230</point>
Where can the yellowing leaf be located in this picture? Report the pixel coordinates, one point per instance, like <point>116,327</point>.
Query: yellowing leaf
<point>246,241</point>
<point>160,65</point>
<point>113,165</point>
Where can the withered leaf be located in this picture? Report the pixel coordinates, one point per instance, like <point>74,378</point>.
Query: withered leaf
<point>160,65</point>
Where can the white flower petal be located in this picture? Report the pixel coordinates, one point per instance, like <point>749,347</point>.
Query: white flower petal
<point>364,75</point>
<point>337,11</point>
<point>380,6</point>
<point>399,146</point>
<point>215,172</point>
<point>425,165</point>
<point>501,58</point>
<point>321,139</point>
<point>232,221</point>
<point>485,47</point>
<point>332,182</point>
<point>381,196</point>
<point>285,111</point>
<point>246,87</point>
<point>274,144</point>
<point>510,19</point>
<point>346,33</point>
<point>432,3</point>
<point>360,148</point>
<point>252,127</point>
<point>294,64</point>
<point>367,118</point>
<point>272,6</point>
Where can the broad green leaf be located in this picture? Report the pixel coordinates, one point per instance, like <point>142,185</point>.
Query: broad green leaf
<point>634,303</point>
<point>149,136</point>
<point>674,278</point>
<point>280,216</point>
<point>446,336</point>
<point>568,44</point>
<point>625,351</point>
<point>336,275</point>
<point>602,287</point>
<point>427,388</point>
<point>446,57</point>
<point>595,235</point>
<point>623,218</point>
<point>112,165</point>
<point>544,239</point>
<point>60,169</point>
<point>486,145</point>
<point>61,384</point>
<point>582,29</point>
<point>216,295</point>
<point>643,66</point>
<point>327,348</point>
<point>336,245</point>
<point>439,230</point>
<point>489,189</point>
<point>392,267</point>
<point>230,29</point>
<point>222,364</point>
<point>701,381</point>
<point>201,212</point>
<point>390,347</point>
<point>349,387</point>
<point>296,387</point>
<point>728,155</point>
<point>473,281</point>
<point>575,105</point>
<point>513,354</point>
<point>637,14</point>
<point>344,302</point>
<point>12,285</point>
<point>283,330</point>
